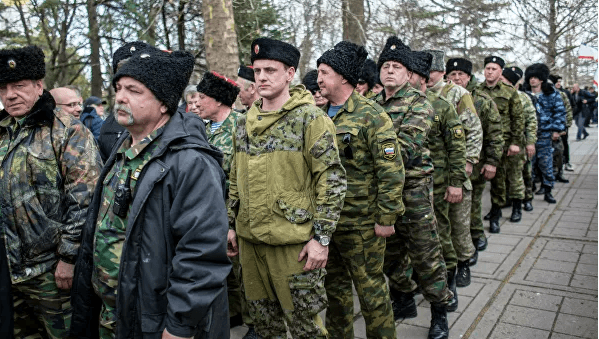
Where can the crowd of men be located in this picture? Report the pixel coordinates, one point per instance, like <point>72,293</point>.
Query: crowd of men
<point>183,221</point>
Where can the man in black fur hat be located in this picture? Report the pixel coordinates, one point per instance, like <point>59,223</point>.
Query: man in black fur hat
<point>248,92</point>
<point>50,165</point>
<point>310,81</point>
<point>367,79</point>
<point>157,237</point>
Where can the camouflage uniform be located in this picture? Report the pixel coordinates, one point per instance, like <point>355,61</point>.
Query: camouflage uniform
<point>111,229</point>
<point>416,239</point>
<point>512,121</point>
<point>286,183</point>
<point>447,145</point>
<point>530,138</point>
<point>375,177</point>
<point>370,95</point>
<point>50,165</point>
<point>459,214</point>
<point>490,154</point>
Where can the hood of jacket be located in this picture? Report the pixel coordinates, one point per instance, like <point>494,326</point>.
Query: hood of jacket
<point>88,112</point>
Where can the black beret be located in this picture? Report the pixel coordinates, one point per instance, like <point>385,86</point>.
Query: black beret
<point>347,59</point>
<point>539,71</point>
<point>495,59</point>
<point>26,63</point>
<point>517,70</point>
<point>510,75</point>
<point>246,72</point>
<point>310,80</point>
<point>554,78</point>
<point>395,50</point>
<point>164,73</point>
<point>265,48</point>
<point>421,63</point>
<point>369,73</point>
<point>458,64</point>
<point>219,88</point>
<point>124,52</point>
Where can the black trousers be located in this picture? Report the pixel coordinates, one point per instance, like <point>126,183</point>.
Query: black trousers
<point>566,148</point>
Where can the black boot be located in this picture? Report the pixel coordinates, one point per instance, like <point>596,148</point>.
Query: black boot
<point>235,321</point>
<point>516,210</point>
<point>508,203</point>
<point>528,205</point>
<point>534,186</point>
<point>451,283</point>
<point>494,221</point>
<point>488,215</point>
<point>472,261</point>
<point>251,334</point>
<point>480,243</point>
<point>548,196</point>
<point>560,178</point>
<point>439,327</point>
<point>541,190</point>
<point>404,306</point>
<point>462,278</point>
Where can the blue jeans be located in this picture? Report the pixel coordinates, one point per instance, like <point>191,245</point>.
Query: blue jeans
<point>580,124</point>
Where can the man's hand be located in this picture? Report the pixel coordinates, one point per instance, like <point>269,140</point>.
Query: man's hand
<point>468,168</point>
<point>232,249</point>
<point>530,151</point>
<point>316,253</point>
<point>166,335</point>
<point>64,275</point>
<point>513,150</point>
<point>584,101</point>
<point>488,171</point>
<point>562,133</point>
<point>453,194</point>
<point>384,231</point>
<point>555,136</point>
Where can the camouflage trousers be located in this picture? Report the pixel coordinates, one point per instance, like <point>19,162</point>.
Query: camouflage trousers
<point>236,293</point>
<point>510,171</point>
<point>358,256</point>
<point>543,158</point>
<point>459,217</point>
<point>41,310</point>
<point>441,207</point>
<point>416,243</point>
<point>278,291</point>
<point>527,177</point>
<point>478,181</point>
<point>558,156</point>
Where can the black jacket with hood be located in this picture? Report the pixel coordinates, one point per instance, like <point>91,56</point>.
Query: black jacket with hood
<point>173,266</point>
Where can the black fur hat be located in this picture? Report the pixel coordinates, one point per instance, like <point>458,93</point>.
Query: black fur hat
<point>495,59</point>
<point>310,80</point>
<point>458,64</point>
<point>246,72</point>
<point>517,70</point>
<point>26,63</point>
<point>219,88</point>
<point>164,73</point>
<point>369,73</point>
<point>554,78</point>
<point>347,59</point>
<point>265,48</point>
<point>124,52</point>
<point>421,63</point>
<point>395,50</point>
<point>539,71</point>
<point>510,75</point>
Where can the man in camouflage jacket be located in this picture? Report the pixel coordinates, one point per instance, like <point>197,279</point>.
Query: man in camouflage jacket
<point>49,167</point>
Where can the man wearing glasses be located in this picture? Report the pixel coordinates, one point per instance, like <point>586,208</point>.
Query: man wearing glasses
<point>67,100</point>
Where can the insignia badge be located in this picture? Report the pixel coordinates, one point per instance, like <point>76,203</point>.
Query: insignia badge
<point>132,49</point>
<point>455,63</point>
<point>436,118</point>
<point>12,63</point>
<point>514,69</point>
<point>494,59</point>
<point>392,47</point>
<point>144,56</point>
<point>389,151</point>
<point>256,49</point>
<point>458,133</point>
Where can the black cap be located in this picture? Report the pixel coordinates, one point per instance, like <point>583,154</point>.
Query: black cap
<point>246,72</point>
<point>458,64</point>
<point>510,75</point>
<point>265,48</point>
<point>517,70</point>
<point>421,63</point>
<point>395,50</point>
<point>219,88</point>
<point>495,59</point>
<point>310,80</point>
<point>26,63</point>
<point>554,78</point>
<point>93,101</point>
<point>369,73</point>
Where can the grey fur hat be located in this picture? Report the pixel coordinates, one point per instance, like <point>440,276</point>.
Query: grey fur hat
<point>438,59</point>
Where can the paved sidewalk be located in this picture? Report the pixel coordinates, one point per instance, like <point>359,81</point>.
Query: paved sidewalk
<point>538,277</point>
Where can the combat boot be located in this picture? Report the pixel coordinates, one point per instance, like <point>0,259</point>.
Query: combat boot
<point>251,334</point>
<point>462,278</point>
<point>473,260</point>
<point>404,306</point>
<point>560,178</point>
<point>488,215</point>
<point>548,196</point>
<point>480,243</point>
<point>541,190</point>
<point>516,210</point>
<point>452,305</point>
<point>527,205</point>
<point>439,327</point>
<point>494,220</point>
<point>508,203</point>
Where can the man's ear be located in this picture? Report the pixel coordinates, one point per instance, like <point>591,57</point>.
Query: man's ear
<point>163,109</point>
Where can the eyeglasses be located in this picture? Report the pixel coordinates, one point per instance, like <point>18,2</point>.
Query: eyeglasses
<point>72,105</point>
<point>349,154</point>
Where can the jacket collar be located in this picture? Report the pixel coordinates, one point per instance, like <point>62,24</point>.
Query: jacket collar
<point>41,114</point>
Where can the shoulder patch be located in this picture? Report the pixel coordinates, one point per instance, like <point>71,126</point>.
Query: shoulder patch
<point>436,118</point>
<point>458,133</point>
<point>389,150</point>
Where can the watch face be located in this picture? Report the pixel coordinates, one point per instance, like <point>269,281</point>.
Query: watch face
<point>324,240</point>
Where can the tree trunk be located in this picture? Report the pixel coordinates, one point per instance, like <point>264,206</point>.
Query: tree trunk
<point>165,25</point>
<point>181,24</point>
<point>354,26</point>
<point>94,42</point>
<point>552,43</point>
<point>220,38</point>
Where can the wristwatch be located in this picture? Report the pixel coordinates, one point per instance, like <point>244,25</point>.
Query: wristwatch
<point>323,240</point>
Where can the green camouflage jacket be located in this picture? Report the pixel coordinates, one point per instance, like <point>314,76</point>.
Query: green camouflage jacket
<point>222,138</point>
<point>530,119</point>
<point>50,165</point>
<point>510,108</point>
<point>286,180</point>
<point>412,116</point>
<point>369,153</point>
<point>569,112</point>
<point>490,119</point>
<point>447,144</point>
